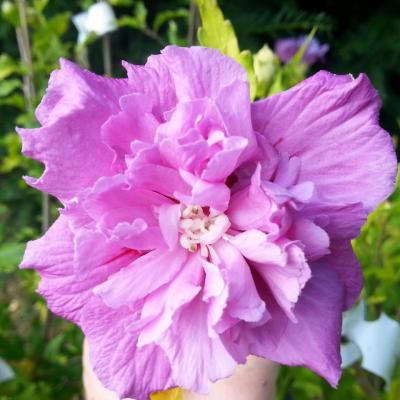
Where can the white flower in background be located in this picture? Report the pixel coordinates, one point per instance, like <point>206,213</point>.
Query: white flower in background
<point>6,373</point>
<point>99,18</point>
<point>366,339</point>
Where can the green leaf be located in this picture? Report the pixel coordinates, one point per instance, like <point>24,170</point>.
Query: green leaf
<point>121,3</point>
<point>141,14</point>
<point>218,33</point>
<point>57,25</point>
<point>294,71</point>
<point>138,20</point>
<point>245,58</point>
<point>296,59</point>
<point>172,34</point>
<point>40,5</point>
<point>8,86</point>
<point>15,100</point>
<point>127,20</point>
<point>278,84</point>
<point>10,256</point>
<point>7,66</point>
<point>164,16</point>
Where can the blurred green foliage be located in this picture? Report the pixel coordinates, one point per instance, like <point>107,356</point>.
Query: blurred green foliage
<point>45,351</point>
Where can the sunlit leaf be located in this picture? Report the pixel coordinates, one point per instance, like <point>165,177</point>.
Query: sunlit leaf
<point>266,66</point>
<point>218,33</point>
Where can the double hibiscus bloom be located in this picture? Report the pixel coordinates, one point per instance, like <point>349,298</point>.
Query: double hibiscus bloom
<point>198,227</point>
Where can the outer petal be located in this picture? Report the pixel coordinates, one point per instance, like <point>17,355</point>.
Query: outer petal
<point>69,143</point>
<point>116,360</point>
<point>340,221</point>
<point>52,256</point>
<point>343,260</point>
<point>198,72</point>
<point>331,123</point>
<point>71,88</point>
<point>314,341</point>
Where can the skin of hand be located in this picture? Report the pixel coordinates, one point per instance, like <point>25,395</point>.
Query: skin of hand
<point>256,380</point>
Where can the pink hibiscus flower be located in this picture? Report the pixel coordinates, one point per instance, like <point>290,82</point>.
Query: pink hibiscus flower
<point>197,227</point>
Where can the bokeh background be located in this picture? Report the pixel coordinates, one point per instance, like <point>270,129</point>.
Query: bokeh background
<point>45,351</point>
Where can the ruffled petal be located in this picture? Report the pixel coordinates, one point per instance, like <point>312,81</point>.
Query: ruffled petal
<point>160,307</point>
<point>127,214</point>
<point>134,122</point>
<point>215,293</point>
<point>224,162</point>
<point>282,265</point>
<point>244,302</point>
<point>197,139</point>
<point>147,170</point>
<point>331,124</point>
<point>203,193</point>
<point>169,216</point>
<point>251,208</point>
<point>255,246</point>
<point>91,250</point>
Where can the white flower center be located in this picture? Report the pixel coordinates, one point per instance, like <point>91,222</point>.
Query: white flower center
<point>200,227</point>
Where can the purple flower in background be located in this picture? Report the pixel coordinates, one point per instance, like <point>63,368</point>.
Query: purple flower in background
<point>288,47</point>
<point>197,227</point>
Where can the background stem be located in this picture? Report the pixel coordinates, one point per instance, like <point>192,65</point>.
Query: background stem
<point>107,59</point>
<point>29,89</point>
<point>194,22</point>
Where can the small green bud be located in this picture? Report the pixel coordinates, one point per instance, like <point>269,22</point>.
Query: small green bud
<point>266,65</point>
